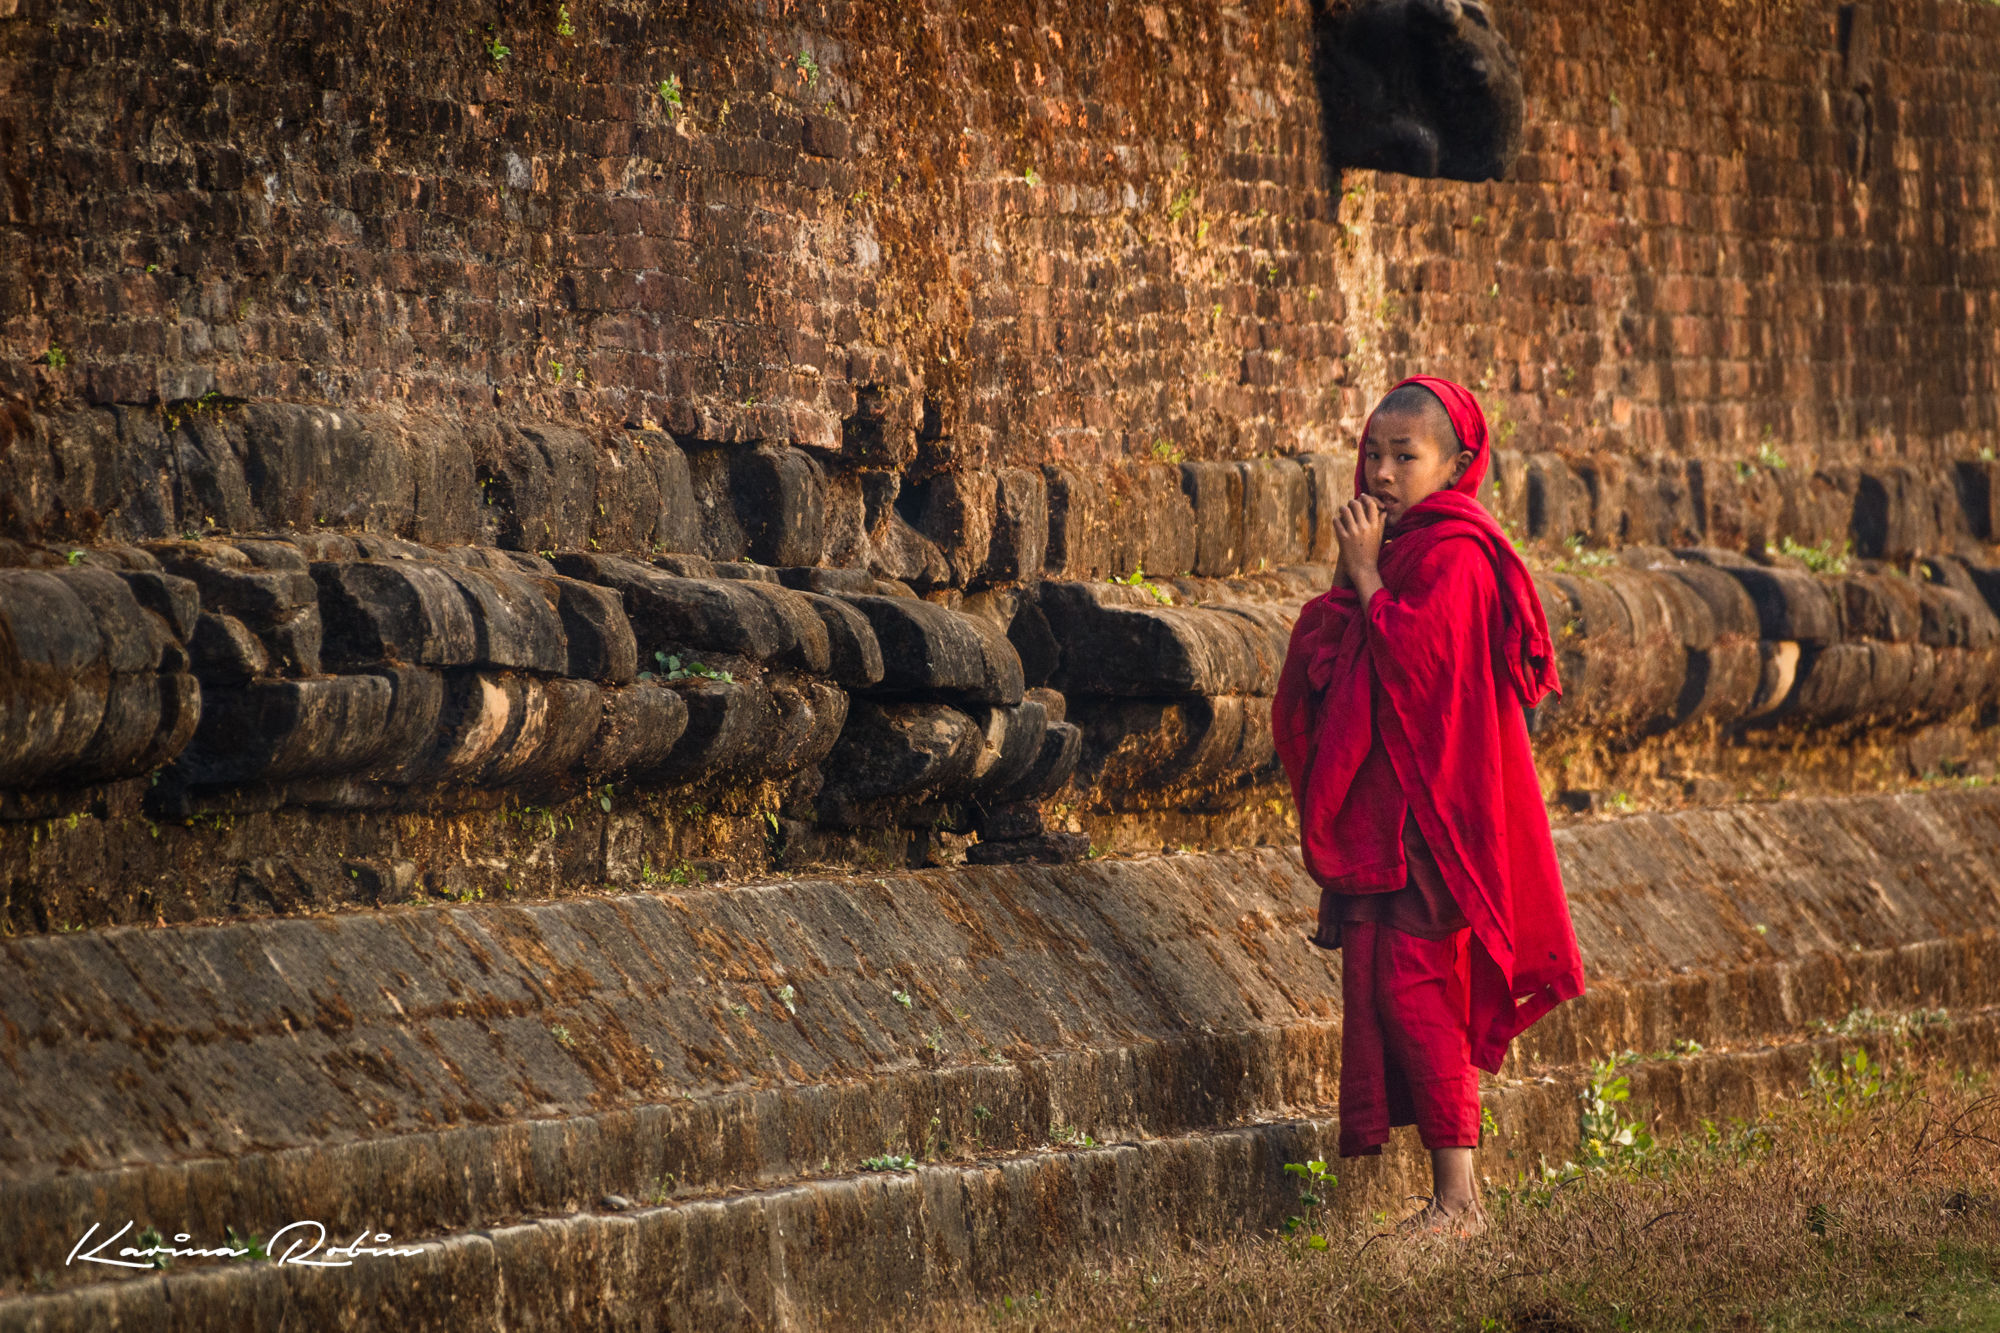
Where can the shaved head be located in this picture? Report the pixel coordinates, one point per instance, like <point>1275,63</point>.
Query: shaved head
<point>1412,450</point>
<point>1415,400</point>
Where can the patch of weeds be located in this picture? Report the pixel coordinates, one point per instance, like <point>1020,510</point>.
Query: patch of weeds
<point>889,1161</point>
<point>670,93</point>
<point>673,668</point>
<point>1071,1137</point>
<point>1180,204</point>
<point>808,67</point>
<point>1866,1022</point>
<point>1137,579</point>
<point>181,408</point>
<point>789,998</point>
<point>1851,1085</point>
<point>1768,457</point>
<point>564,28</point>
<point>541,817</point>
<point>1821,559</point>
<point>903,998</point>
<point>55,358</point>
<point>150,1242</point>
<point>563,1037</point>
<point>1166,452</point>
<point>249,1244</point>
<point>1580,558</point>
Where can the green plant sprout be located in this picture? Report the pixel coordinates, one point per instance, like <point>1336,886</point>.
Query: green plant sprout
<point>497,50</point>
<point>1609,1139</point>
<point>672,668</point>
<point>670,93</point>
<point>151,1242</point>
<point>889,1162</point>
<point>564,28</point>
<point>1031,176</point>
<point>249,1246</point>
<point>789,998</point>
<point>1138,580</point>
<point>809,68</point>
<point>1318,1179</point>
<point>55,358</point>
<point>903,998</point>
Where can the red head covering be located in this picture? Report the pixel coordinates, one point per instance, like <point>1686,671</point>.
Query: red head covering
<point>1466,419</point>
<point>1414,703</point>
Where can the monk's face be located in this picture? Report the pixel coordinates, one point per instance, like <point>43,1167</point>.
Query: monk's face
<point>1407,457</point>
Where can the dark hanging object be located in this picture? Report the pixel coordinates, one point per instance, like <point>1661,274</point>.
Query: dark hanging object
<point>1418,87</point>
<point>1857,52</point>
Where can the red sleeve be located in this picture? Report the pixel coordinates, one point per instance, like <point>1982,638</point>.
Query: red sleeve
<point>1294,713</point>
<point>1438,621</point>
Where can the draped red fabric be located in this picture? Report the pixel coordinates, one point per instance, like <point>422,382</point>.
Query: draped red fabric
<point>1438,668</point>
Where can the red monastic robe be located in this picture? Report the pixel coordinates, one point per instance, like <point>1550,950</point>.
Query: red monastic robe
<point>1413,707</point>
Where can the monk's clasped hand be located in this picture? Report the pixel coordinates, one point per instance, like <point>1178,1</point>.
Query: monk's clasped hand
<point>1359,525</point>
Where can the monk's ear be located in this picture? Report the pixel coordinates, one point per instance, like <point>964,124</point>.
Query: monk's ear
<point>1465,457</point>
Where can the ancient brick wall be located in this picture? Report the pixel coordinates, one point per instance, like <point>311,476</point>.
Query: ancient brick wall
<point>416,418</point>
<point>1023,233</point>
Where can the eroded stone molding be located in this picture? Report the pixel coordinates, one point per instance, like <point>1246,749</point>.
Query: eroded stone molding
<point>947,655</point>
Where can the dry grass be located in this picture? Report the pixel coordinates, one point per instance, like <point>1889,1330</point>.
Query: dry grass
<point>1867,1201</point>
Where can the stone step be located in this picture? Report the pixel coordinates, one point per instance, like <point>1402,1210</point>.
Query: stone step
<point>457,1068</point>
<point>838,1251</point>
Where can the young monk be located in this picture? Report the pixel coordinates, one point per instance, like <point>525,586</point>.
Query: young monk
<point>1399,720</point>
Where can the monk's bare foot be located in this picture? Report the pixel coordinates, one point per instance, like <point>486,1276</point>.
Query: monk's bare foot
<point>1438,1220</point>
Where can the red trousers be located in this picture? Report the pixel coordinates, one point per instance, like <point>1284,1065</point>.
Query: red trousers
<point>1405,1045</point>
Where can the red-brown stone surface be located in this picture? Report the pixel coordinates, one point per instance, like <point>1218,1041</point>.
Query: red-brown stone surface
<point>1018,233</point>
